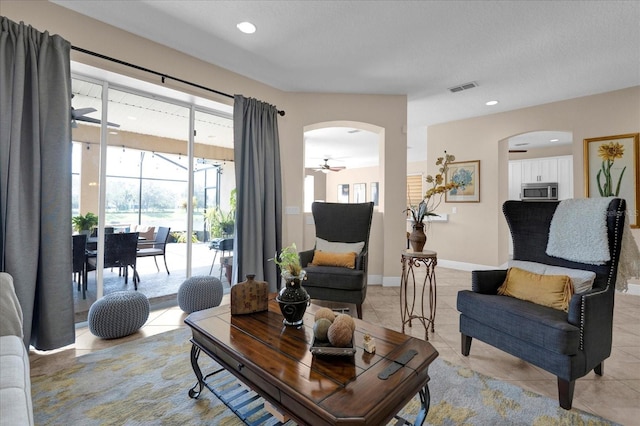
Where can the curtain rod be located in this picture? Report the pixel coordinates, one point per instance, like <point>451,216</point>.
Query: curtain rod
<point>161,75</point>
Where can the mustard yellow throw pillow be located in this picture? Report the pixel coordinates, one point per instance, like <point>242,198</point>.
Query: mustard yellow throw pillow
<point>325,258</point>
<point>554,291</point>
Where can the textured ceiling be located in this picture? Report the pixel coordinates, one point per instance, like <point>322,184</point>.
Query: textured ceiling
<point>521,53</point>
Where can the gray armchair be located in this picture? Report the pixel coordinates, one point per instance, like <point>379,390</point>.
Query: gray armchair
<point>567,344</point>
<point>342,223</point>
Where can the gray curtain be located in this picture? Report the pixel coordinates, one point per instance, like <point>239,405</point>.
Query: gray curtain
<point>35,180</point>
<point>259,190</point>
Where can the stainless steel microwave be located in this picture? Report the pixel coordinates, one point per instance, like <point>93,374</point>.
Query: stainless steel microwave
<point>539,191</point>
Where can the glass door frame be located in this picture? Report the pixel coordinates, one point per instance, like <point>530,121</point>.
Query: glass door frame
<point>193,108</point>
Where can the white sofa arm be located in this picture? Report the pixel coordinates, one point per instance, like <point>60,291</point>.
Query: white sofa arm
<point>15,383</point>
<point>10,310</point>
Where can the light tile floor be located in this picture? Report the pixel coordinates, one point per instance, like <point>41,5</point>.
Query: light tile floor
<point>615,396</point>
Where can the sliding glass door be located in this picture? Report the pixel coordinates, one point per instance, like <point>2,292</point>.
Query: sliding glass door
<point>156,176</point>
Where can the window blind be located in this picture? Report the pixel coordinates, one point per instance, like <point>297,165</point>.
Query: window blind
<point>414,189</point>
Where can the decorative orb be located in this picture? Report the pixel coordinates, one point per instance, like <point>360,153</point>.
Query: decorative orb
<point>321,328</point>
<point>340,334</point>
<point>325,313</point>
<point>347,319</point>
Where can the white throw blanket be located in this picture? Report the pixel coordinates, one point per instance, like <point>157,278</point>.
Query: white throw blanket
<point>578,232</point>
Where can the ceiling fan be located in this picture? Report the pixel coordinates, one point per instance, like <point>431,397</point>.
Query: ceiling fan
<point>326,168</point>
<point>79,115</point>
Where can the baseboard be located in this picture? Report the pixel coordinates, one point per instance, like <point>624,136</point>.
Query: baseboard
<point>633,288</point>
<point>462,266</point>
<point>395,281</point>
<point>374,279</point>
<point>391,281</point>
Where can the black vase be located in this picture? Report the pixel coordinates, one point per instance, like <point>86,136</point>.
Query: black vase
<point>293,299</point>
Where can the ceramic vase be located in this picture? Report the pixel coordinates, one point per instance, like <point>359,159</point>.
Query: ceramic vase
<point>293,299</point>
<point>417,238</point>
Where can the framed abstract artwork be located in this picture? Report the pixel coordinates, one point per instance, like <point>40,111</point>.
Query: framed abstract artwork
<point>467,175</point>
<point>611,170</point>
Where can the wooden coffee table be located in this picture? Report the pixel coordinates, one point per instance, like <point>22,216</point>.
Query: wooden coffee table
<point>276,363</point>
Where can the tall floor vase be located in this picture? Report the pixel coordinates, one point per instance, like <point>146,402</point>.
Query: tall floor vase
<point>417,238</point>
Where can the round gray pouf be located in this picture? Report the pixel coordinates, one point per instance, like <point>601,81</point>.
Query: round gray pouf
<point>118,314</point>
<point>198,293</point>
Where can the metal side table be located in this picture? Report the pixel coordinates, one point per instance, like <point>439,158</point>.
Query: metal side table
<point>411,261</point>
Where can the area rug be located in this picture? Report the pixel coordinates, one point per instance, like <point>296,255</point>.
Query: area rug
<point>146,382</point>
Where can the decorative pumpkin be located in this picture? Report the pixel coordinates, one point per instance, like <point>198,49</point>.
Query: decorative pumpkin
<point>321,328</point>
<point>347,319</point>
<point>340,334</point>
<point>325,313</point>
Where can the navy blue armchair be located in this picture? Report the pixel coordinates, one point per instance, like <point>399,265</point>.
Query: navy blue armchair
<point>567,344</point>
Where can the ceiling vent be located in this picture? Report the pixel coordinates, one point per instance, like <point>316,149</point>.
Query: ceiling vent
<point>461,87</point>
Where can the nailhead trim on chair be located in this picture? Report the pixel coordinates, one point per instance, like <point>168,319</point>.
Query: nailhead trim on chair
<point>614,259</point>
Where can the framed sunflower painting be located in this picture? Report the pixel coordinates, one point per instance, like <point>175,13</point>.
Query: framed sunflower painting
<point>611,170</point>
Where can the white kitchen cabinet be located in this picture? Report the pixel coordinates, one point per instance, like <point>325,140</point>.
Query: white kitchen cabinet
<point>565,177</point>
<point>540,170</point>
<point>515,179</point>
<point>548,169</point>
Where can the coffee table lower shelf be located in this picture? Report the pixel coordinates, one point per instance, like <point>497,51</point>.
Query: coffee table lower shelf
<point>244,402</point>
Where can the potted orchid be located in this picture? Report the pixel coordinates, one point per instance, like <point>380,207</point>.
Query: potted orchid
<point>430,202</point>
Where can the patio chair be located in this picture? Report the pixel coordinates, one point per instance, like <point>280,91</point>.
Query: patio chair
<point>78,249</point>
<point>119,252</point>
<point>156,247</point>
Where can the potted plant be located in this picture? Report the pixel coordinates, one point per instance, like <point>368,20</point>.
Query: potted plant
<point>84,224</point>
<point>430,202</point>
<point>222,224</point>
<point>292,298</point>
<point>288,261</point>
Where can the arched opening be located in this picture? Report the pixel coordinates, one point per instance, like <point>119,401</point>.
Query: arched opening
<point>538,158</point>
<point>343,163</point>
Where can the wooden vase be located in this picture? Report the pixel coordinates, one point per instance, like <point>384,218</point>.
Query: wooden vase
<point>417,238</point>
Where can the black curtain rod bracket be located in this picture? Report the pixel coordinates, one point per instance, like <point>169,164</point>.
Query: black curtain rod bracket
<point>161,75</point>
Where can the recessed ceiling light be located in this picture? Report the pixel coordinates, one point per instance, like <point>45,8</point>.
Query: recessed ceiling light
<point>491,103</point>
<point>554,140</point>
<point>131,117</point>
<point>246,27</point>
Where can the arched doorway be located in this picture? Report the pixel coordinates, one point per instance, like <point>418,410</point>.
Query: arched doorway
<point>342,163</point>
